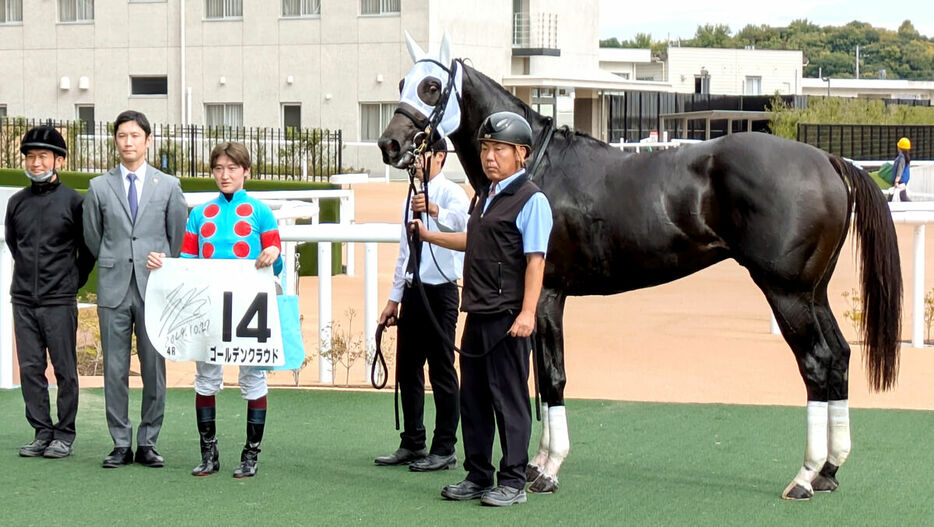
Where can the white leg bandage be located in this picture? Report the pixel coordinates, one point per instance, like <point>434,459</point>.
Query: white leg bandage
<point>839,431</point>
<point>559,443</point>
<point>815,453</point>
<point>542,454</point>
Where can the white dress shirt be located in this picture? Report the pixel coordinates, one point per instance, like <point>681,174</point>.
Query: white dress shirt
<point>452,205</point>
<point>140,180</point>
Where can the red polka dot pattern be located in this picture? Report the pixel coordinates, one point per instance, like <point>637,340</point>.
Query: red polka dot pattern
<point>207,250</point>
<point>244,210</point>
<point>242,228</point>
<point>211,210</point>
<point>208,229</point>
<point>241,249</point>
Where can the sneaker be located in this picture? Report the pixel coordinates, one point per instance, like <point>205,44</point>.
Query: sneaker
<point>463,491</point>
<point>57,449</point>
<point>503,496</point>
<point>34,449</point>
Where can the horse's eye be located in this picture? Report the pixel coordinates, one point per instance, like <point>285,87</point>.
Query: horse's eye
<point>429,90</point>
<point>401,85</point>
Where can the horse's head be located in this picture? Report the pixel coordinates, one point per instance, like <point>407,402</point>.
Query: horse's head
<point>429,101</point>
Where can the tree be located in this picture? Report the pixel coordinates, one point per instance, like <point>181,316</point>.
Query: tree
<point>712,36</point>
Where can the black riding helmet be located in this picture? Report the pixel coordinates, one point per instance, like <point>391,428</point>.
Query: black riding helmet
<point>506,127</point>
<point>45,138</point>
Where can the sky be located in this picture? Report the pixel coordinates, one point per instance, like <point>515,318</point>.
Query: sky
<point>679,18</point>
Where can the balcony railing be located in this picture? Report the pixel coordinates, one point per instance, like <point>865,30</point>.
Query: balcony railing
<point>535,31</point>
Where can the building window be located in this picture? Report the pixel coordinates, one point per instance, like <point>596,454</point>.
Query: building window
<point>2,111</point>
<point>157,85</point>
<point>379,7</point>
<point>85,114</point>
<point>374,117</point>
<point>291,116</point>
<point>221,9</point>
<point>75,10</point>
<point>753,86</point>
<point>227,114</point>
<point>11,11</point>
<point>300,8</point>
<point>702,82</point>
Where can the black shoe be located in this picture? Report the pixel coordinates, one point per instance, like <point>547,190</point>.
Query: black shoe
<point>433,462</point>
<point>57,449</point>
<point>34,449</point>
<point>403,456</point>
<point>147,456</point>
<point>465,490</point>
<point>248,461</point>
<point>210,458</point>
<point>503,496</point>
<point>119,457</point>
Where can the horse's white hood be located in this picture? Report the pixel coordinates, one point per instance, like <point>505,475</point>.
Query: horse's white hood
<point>430,68</point>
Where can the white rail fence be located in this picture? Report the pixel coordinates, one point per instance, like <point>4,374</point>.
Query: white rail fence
<point>916,214</point>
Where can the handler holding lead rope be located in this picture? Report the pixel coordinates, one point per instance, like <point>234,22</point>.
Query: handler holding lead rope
<point>506,241</point>
<point>439,269</point>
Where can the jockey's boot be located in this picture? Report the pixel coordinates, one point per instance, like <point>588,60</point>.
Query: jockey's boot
<point>210,461</point>
<point>255,424</point>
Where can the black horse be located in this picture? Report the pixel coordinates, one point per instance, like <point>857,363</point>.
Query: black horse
<point>621,222</point>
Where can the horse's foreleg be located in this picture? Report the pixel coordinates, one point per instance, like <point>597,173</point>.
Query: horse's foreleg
<point>555,443</point>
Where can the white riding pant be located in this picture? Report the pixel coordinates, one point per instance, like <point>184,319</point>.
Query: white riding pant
<point>209,379</point>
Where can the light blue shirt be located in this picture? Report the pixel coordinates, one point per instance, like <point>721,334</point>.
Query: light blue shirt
<point>534,220</point>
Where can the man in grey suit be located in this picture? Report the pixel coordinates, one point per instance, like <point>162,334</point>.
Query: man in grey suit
<point>129,212</point>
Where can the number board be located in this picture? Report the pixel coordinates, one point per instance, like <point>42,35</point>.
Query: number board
<point>217,311</point>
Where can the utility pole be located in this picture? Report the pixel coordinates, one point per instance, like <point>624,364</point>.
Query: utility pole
<point>857,61</point>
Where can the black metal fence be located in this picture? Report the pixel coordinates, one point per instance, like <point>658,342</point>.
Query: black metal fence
<point>868,141</point>
<point>184,151</point>
<point>633,114</point>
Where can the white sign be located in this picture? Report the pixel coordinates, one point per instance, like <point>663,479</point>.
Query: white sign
<point>217,311</point>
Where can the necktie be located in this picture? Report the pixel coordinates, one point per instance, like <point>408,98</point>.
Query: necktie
<point>131,196</point>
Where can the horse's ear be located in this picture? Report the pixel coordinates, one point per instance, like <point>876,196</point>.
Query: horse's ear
<point>444,54</point>
<point>415,51</point>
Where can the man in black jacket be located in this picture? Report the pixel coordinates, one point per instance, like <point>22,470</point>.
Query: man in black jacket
<point>50,263</point>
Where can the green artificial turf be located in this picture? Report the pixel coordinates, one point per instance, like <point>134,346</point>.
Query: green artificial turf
<point>630,464</point>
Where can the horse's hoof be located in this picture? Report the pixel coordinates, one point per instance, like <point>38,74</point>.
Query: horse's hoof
<point>532,472</point>
<point>544,484</point>
<point>797,492</point>
<point>826,481</point>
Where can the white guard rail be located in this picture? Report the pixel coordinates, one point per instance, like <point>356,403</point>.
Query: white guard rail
<point>325,233</point>
<point>917,214</point>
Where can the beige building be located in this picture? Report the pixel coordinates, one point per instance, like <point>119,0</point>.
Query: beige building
<point>871,88</point>
<point>709,70</point>
<point>275,63</point>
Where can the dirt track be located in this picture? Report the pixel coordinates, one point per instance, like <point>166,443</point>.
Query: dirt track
<point>701,339</point>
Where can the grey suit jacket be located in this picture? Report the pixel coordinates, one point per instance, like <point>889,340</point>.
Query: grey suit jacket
<point>122,247</point>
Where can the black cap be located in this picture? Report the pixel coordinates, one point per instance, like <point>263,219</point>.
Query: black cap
<point>44,138</point>
<point>506,127</point>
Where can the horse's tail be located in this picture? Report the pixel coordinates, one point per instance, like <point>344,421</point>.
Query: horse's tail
<point>880,276</point>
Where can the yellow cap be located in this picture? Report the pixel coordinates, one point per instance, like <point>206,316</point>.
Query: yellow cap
<point>904,143</point>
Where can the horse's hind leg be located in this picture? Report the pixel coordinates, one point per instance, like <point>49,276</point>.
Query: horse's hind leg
<point>800,323</point>
<point>555,443</point>
<point>838,403</point>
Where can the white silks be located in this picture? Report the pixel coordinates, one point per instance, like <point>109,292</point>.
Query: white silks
<point>429,68</point>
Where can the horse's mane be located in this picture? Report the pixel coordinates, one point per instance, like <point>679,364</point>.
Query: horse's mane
<point>513,103</point>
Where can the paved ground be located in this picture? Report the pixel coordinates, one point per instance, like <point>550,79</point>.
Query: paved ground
<point>701,339</point>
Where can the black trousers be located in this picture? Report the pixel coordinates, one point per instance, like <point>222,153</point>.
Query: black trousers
<point>51,328</point>
<point>419,342</point>
<point>495,392</point>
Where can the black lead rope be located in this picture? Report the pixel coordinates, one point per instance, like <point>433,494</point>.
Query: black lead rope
<point>379,381</point>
